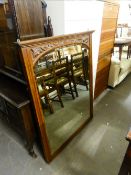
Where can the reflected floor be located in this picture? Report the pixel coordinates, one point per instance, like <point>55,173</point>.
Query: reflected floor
<point>65,121</point>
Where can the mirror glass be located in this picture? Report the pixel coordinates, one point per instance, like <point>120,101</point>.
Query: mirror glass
<point>62,78</point>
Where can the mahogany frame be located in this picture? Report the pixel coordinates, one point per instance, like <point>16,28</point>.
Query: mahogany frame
<point>31,51</point>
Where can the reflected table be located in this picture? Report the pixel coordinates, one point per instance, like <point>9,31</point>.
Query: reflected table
<point>120,43</point>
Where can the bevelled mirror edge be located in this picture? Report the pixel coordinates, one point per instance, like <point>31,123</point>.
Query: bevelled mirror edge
<point>29,61</point>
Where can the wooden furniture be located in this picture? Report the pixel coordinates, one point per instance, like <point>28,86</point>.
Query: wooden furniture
<point>15,105</point>
<point>44,93</point>
<point>21,23</point>
<point>77,69</point>
<point>54,76</point>
<point>119,30</point>
<point>120,43</point>
<point>3,23</point>
<point>108,30</point>
<point>32,51</point>
<point>19,20</point>
<point>60,77</point>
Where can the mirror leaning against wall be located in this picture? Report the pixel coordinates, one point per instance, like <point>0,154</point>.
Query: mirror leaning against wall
<point>59,72</point>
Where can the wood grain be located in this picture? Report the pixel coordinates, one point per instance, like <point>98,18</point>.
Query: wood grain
<point>110,11</point>
<point>106,46</point>
<point>107,34</point>
<point>101,80</point>
<point>109,23</point>
<point>104,62</point>
<point>3,23</point>
<point>29,17</point>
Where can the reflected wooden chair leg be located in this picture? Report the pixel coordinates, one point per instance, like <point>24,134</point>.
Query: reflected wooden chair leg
<point>86,84</point>
<point>43,92</point>
<point>49,104</point>
<point>51,108</point>
<point>59,96</point>
<point>85,75</point>
<point>129,52</point>
<point>75,88</point>
<point>71,90</point>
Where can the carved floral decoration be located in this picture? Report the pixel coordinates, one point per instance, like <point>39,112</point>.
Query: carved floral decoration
<point>41,48</point>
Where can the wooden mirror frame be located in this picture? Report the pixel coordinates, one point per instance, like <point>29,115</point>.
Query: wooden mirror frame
<point>31,52</point>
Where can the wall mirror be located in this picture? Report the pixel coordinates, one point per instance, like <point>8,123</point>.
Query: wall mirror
<point>59,73</point>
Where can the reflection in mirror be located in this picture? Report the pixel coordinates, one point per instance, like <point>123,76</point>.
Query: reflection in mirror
<point>63,86</point>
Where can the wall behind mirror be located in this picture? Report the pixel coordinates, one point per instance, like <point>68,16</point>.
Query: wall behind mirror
<point>81,17</point>
<point>124,18</point>
<point>125,12</point>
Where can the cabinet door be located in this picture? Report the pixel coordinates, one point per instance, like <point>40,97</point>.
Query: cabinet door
<point>3,106</point>
<point>29,19</point>
<point>14,117</point>
<point>3,23</point>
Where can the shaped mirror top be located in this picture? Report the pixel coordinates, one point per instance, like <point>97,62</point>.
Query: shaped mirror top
<point>62,78</point>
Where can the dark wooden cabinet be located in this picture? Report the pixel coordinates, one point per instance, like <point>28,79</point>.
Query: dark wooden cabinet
<point>28,16</point>
<point>3,106</point>
<point>19,20</point>
<point>15,105</point>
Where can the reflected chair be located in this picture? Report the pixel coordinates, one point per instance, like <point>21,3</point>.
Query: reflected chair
<point>45,90</point>
<point>44,93</point>
<point>69,50</point>
<point>79,69</point>
<point>124,31</point>
<point>60,77</point>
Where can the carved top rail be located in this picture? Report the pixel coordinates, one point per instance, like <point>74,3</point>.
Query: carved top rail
<point>42,46</point>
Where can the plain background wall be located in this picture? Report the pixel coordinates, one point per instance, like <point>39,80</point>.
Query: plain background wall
<point>124,17</point>
<point>55,9</point>
<point>124,12</point>
<point>82,16</point>
<point>77,16</point>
